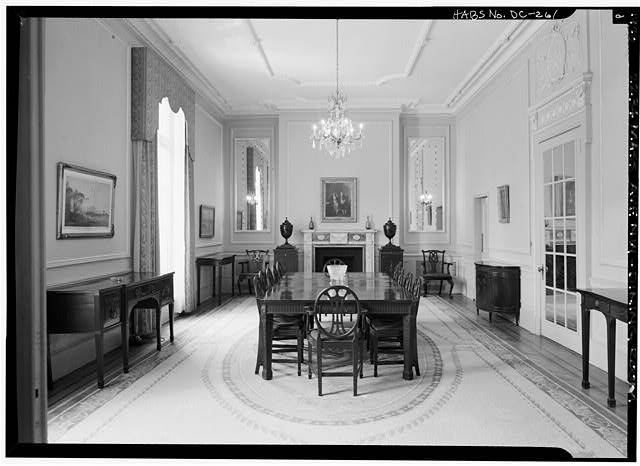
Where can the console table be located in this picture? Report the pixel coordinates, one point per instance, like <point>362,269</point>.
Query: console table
<point>101,304</point>
<point>613,303</point>
<point>216,261</point>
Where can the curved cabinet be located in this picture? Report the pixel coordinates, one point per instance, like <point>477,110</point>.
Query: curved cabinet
<point>498,289</point>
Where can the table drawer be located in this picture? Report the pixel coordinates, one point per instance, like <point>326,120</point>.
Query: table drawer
<point>166,295</point>
<point>595,303</point>
<point>145,290</point>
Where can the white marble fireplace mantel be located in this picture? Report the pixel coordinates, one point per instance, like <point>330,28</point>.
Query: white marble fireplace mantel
<point>347,237</point>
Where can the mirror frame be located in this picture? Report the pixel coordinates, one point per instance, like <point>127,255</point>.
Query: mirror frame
<point>443,178</point>
<point>247,140</point>
<point>426,127</point>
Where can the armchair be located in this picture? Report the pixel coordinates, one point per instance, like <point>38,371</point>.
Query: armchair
<point>255,261</point>
<point>433,269</point>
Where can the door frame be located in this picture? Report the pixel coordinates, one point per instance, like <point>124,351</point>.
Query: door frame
<point>474,244</point>
<point>567,110</point>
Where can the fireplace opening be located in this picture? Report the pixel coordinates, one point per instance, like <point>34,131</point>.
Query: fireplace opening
<point>349,255</point>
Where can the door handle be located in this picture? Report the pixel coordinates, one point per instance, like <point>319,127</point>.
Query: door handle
<point>541,268</point>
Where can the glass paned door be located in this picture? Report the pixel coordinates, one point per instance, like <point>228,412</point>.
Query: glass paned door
<point>560,317</point>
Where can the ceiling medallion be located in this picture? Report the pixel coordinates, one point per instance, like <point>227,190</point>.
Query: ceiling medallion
<point>336,134</point>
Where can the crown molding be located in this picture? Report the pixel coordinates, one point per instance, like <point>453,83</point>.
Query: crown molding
<point>154,37</point>
<point>507,46</point>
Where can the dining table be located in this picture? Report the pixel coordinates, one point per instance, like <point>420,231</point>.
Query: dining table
<point>296,292</point>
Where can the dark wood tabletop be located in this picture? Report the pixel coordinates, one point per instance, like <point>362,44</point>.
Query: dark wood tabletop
<point>303,287</point>
<point>619,295</point>
<point>104,283</point>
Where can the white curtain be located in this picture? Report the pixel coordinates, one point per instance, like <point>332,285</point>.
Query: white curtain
<point>171,198</point>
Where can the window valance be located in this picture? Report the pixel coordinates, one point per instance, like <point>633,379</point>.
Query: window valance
<point>152,78</point>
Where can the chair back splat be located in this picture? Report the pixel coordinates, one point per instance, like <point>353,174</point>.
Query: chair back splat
<point>249,266</point>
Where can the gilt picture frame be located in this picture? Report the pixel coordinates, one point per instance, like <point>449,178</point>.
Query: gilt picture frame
<point>207,221</point>
<point>504,214</point>
<point>339,202</point>
<point>85,203</point>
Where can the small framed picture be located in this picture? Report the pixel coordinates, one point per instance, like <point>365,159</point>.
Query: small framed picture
<point>503,204</point>
<point>86,199</point>
<point>339,199</point>
<point>207,221</point>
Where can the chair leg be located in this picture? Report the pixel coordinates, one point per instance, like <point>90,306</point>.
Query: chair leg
<point>309,360</point>
<point>361,361</point>
<point>319,362</point>
<point>375,355</point>
<point>354,359</point>
<point>239,288</point>
<point>451,288</point>
<point>259,360</point>
<point>299,353</point>
<point>440,292</point>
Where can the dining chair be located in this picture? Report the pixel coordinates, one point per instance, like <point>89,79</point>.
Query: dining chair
<point>386,332</point>
<point>285,328</point>
<point>334,261</point>
<point>276,273</point>
<point>396,272</point>
<point>336,336</point>
<point>255,261</point>
<point>279,267</point>
<point>270,278</point>
<point>433,269</point>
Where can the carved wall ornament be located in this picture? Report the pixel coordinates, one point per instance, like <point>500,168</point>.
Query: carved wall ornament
<point>574,99</point>
<point>558,58</point>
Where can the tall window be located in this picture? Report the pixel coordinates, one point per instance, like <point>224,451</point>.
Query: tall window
<point>171,197</point>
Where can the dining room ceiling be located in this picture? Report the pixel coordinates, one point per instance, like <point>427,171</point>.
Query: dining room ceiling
<point>273,65</point>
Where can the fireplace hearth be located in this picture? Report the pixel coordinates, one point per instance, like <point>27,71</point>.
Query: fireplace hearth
<point>352,256</point>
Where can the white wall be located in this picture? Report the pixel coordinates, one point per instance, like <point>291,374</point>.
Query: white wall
<point>493,137</point>
<point>300,169</point>
<point>208,187</point>
<point>609,62</point>
<point>86,122</point>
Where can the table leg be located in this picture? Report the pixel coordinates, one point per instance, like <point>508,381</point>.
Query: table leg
<point>586,327</point>
<point>171,320</point>
<point>213,281</point>
<point>198,280</point>
<point>407,373</point>
<point>49,373</point>
<point>99,358</point>
<point>414,345</point>
<point>219,283</point>
<point>233,276</point>
<point>266,327</point>
<point>611,359</point>
<point>158,337</point>
<point>124,330</point>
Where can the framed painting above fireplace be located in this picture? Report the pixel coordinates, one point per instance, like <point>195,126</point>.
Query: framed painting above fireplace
<point>339,199</point>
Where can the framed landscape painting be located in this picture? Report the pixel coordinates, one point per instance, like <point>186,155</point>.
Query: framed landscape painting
<point>86,199</point>
<point>504,214</point>
<point>207,221</point>
<point>339,199</point>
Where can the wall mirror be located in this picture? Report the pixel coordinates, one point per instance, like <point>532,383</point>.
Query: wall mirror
<point>426,183</point>
<point>252,158</point>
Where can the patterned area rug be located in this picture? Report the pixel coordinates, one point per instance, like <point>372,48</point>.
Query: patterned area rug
<point>472,391</point>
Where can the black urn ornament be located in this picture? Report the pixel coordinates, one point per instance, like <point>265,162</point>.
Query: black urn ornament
<point>389,229</point>
<point>286,229</point>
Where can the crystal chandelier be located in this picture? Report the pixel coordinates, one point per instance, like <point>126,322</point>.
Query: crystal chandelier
<point>336,134</point>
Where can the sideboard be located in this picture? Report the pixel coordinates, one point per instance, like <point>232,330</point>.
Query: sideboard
<point>498,288</point>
